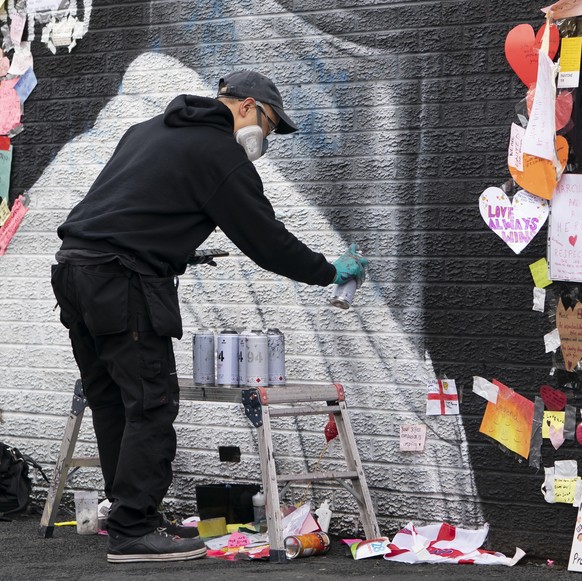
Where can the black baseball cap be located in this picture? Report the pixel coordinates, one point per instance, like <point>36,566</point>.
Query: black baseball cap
<point>242,84</point>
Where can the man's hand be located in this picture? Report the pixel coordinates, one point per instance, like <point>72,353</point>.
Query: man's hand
<point>350,265</point>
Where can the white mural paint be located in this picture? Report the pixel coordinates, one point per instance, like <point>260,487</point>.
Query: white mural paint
<point>366,348</point>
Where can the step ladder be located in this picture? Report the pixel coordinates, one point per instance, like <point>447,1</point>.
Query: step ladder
<point>260,405</point>
<point>263,403</point>
<point>65,462</point>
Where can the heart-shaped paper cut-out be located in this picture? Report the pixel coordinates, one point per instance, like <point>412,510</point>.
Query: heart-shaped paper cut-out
<point>539,175</point>
<point>569,324</point>
<point>515,222</point>
<point>564,104</point>
<point>579,433</point>
<point>554,399</point>
<point>573,239</point>
<point>522,49</point>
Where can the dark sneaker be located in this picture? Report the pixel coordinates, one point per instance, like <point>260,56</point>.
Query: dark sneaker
<point>178,530</point>
<point>155,546</point>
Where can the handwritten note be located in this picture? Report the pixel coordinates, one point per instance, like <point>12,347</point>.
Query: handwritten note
<point>555,419</point>
<point>514,151</point>
<point>412,437</point>
<point>564,9</point>
<point>17,22</point>
<point>564,489</point>
<point>442,398</point>
<point>569,325</point>
<point>540,135</point>
<point>564,241</point>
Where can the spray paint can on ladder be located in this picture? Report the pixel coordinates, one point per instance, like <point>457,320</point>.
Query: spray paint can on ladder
<point>276,344</point>
<point>203,357</point>
<point>227,358</point>
<point>257,359</point>
<point>242,358</point>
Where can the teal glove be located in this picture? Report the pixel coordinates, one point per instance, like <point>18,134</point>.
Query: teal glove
<point>350,265</point>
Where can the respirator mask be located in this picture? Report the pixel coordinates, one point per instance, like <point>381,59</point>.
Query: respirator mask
<point>252,140</point>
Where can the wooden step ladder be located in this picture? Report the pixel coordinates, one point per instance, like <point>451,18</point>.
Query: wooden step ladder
<point>260,405</point>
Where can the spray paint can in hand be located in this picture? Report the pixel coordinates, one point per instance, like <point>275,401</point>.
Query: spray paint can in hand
<point>227,358</point>
<point>276,343</point>
<point>307,545</point>
<point>203,357</point>
<point>342,295</point>
<point>257,359</point>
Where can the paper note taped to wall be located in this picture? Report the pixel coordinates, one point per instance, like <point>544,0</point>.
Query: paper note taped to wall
<point>555,419</point>
<point>485,389</point>
<point>564,241</point>
<point>539,272</point>
<point>509,421</point>
<point>442,398</point>
<point>561,482</point>
<point>412,437</point>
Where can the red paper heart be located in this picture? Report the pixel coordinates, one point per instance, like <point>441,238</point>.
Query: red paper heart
<point>522,48</point>
<point>572,239</point>
<point>554,399</point>
<point>564,104</point>
<point>579,433</point>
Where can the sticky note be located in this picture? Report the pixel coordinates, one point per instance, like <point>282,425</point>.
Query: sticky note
<point>555,419</point>
<point>539,272</point>
<point>564,489</point>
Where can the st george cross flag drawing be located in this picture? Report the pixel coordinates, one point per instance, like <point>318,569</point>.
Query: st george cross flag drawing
<point>442,398</point>
<point>444,543</point>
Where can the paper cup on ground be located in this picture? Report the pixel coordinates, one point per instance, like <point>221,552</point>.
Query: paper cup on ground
<point>86,503</point>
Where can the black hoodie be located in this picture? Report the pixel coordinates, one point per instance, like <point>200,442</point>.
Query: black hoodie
<point>169,183</point>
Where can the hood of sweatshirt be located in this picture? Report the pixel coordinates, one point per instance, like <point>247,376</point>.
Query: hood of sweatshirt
<point>189,110</point>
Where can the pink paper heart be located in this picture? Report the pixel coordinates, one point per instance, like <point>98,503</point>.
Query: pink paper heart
<point>572,239</point>
<point>564,104</point>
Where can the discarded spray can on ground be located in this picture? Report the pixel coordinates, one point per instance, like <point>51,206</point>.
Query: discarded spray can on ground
<point>307,545</point>
<point>342,295</point>
<point>257,359</point>
<point>227,358</point>
<point>276,344</point>
<point>203,357</point>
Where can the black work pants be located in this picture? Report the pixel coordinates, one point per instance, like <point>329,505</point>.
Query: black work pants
<point>129,378</point>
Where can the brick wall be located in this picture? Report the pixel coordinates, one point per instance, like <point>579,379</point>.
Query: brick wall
<point>404,114</point>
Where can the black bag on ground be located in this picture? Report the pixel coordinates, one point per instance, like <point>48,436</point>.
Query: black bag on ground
<point>15,484</point>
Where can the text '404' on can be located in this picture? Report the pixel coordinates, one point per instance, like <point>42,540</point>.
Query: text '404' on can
<point>342,295</point>
<point>257,359</point>
<point>203,357</point>
<point>307,545</point>
<point>227,358</point>
<point>276,343</point>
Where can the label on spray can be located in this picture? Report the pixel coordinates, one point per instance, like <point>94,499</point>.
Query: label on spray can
<point>227,358</point>
<point>203,357</point>
<point>306,545</point>
<point>242,358</point>
<point>342,295</point>
<point>257,359</point>
<point>276,343</point>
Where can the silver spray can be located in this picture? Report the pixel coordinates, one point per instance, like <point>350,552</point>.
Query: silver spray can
<point>276,343</point>
<point>227,358</point>
<point>257,359</point>
<point>342,295</point>
<point>242,358</point>
<point>203,357</point>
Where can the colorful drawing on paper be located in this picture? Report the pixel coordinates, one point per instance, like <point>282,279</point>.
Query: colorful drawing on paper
<point>509,421</point>
<point>442,399</point>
